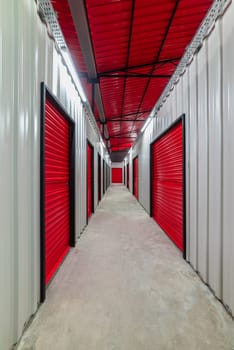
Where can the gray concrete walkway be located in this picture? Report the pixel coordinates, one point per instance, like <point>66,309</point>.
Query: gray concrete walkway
<point>126,287</point>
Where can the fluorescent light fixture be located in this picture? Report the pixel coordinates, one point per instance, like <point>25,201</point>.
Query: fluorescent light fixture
<point>74,75</point>
<point>146,124</point>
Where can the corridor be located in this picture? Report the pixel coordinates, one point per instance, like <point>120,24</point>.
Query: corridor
<point>125,286</point>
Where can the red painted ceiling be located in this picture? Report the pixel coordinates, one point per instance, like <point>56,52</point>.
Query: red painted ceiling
<point>137,45</point>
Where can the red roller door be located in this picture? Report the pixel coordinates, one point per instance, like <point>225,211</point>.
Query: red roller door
<point>57,191</point>
<point>135,177</point>
<point>168,183</point>
<point>89,180</point>
<point>128,175</point>
<point>116,175</point>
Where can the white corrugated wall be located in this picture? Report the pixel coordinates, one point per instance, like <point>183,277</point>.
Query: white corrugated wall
<point>28,57</point>
<point>205,94</point>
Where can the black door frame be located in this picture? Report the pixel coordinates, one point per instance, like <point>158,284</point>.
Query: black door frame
<point>177,121</point>
<point>88,143</point>
<point>47,94</point>
<point>133,175</point>
<point>127,175</point>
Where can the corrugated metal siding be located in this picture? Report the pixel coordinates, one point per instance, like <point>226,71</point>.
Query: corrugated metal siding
<point>228,159</point>
<point>192,119</point>
<point>215,160</point>
<point>167,183</point>
<point>202,127</point>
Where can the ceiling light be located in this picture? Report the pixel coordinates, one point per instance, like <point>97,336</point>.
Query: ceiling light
<point>74,75</point>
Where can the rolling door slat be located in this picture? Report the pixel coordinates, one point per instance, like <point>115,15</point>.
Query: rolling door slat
<point>57,189</point>
<point>167,183</point>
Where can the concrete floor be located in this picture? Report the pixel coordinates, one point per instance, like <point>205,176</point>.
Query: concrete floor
<point>126,287</point>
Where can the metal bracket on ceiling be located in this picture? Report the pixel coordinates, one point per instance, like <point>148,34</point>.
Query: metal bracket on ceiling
<point>46,10</point>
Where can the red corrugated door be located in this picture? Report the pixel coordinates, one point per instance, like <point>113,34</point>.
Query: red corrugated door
<point>135,177</point>
<point>167,183</point>
<point>116,175</point>
<point>128,175</point>
<point>57,189</point>
<point>89,180</point>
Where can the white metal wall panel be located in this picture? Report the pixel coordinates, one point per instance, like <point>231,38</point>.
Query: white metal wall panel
<point>81,137</point>
<point>192,119</point>
<point>93,138</point>
<point>8,247</point>
<point>215,160</point>
<point>95,170</point>
<point>228,159</point>
<point>202,135</point>
<point>186,110</point>
<point>144,170</point>
<point>179,97</point>
<point>173,115</point>
<point>24,170</point>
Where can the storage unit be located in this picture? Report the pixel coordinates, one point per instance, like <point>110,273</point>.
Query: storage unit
<point>167,183</point>
<point>90,181</point>
<point>57,186</point>
<point>135,177</point>
<point>117,175</point>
